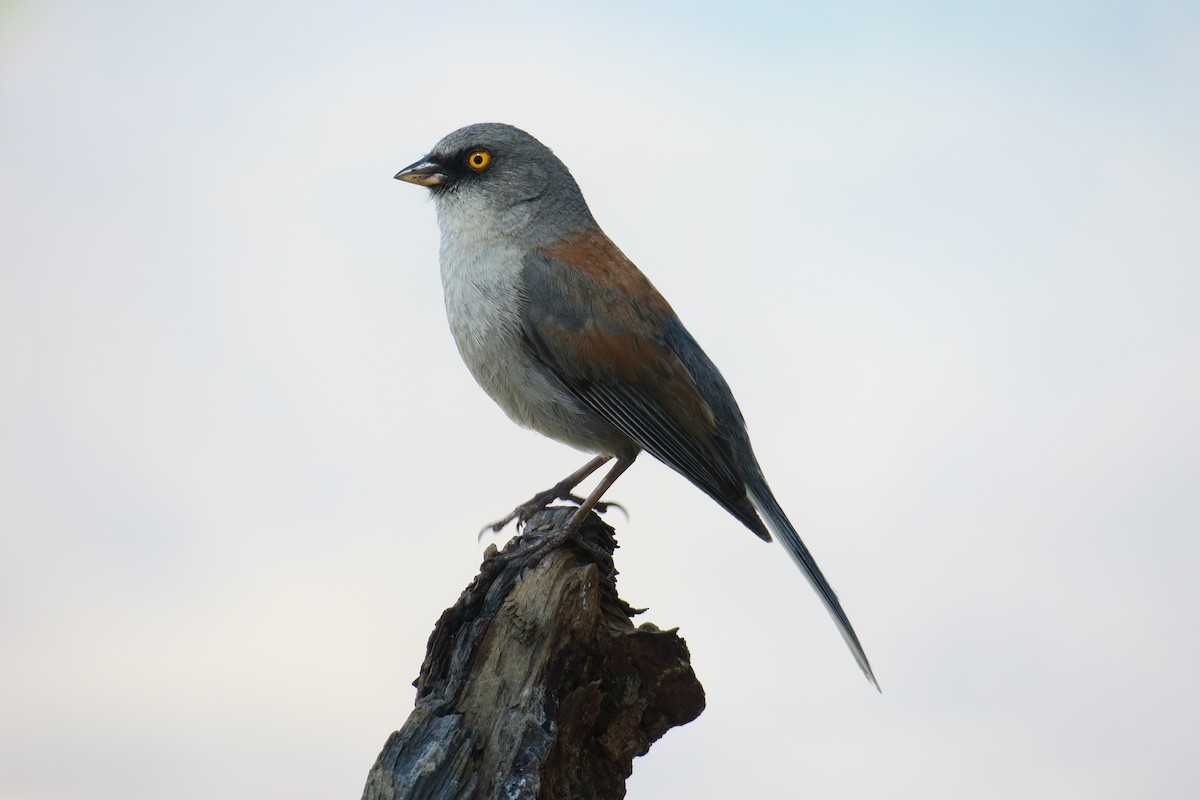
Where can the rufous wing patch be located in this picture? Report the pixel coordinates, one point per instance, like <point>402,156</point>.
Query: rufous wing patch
<point>618,343</point>
<point>599,354</point>
<point>591,252</point>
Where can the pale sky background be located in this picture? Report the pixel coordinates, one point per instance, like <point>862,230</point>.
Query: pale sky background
<point>948,259</point>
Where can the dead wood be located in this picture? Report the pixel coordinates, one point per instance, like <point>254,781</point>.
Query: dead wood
<point>536,684</point>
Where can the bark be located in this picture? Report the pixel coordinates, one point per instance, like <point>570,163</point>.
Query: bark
<point>536,684</point>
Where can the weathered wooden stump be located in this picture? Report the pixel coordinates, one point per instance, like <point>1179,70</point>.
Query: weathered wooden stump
<point>536,684</point>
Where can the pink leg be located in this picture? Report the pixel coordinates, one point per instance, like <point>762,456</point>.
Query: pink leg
<point>569,531</point>
<point>559,491</point>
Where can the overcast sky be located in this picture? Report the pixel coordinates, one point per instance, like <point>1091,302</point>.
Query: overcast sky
<point>948,259</point>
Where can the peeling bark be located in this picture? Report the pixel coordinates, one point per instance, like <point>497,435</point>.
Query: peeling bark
<point>536,684</point>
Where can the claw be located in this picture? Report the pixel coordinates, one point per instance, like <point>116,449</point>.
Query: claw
<point>543,544</point>
<point>562,491</point>
<point>494,527</point>
<point>603,507</point>
<point>521,513</point>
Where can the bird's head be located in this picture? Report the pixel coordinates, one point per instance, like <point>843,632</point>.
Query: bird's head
<point>494,175</point>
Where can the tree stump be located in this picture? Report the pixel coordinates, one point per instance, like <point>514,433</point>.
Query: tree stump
<point>536,684</point>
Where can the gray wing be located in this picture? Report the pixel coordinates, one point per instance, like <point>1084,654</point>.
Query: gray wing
<point>641,371</point>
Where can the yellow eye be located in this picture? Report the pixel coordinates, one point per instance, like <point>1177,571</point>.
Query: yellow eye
<point>478,159</point>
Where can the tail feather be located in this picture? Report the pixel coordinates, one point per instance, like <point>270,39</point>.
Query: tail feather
<point>777,522</point>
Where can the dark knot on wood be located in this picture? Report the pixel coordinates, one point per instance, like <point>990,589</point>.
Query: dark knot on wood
<point>536,684</point>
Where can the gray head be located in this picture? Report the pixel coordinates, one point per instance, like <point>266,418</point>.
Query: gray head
<point>496,180</point>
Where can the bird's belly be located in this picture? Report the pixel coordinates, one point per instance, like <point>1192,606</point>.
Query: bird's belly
<point>482,306</point>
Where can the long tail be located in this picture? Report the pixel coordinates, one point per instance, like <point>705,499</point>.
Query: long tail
<point>777,522</point>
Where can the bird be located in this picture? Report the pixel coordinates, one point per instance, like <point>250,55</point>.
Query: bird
<point>572,340</point>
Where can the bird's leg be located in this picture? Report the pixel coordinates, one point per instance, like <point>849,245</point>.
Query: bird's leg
<point>559,491</point>
<point>571,529</point>
<point>593,500</point>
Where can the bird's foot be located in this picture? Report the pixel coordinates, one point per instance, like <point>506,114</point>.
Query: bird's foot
<point>560,491</point>
<point>543,544</point>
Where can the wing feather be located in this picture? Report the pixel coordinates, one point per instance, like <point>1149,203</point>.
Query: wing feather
<point>615,353</point>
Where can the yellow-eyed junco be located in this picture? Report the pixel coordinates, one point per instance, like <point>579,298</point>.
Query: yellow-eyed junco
<point>573,341</point>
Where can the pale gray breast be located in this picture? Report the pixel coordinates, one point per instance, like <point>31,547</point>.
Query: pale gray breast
<point>483,292</point>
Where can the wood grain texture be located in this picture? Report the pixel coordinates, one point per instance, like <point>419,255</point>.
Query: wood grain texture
<point>536,684</point>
